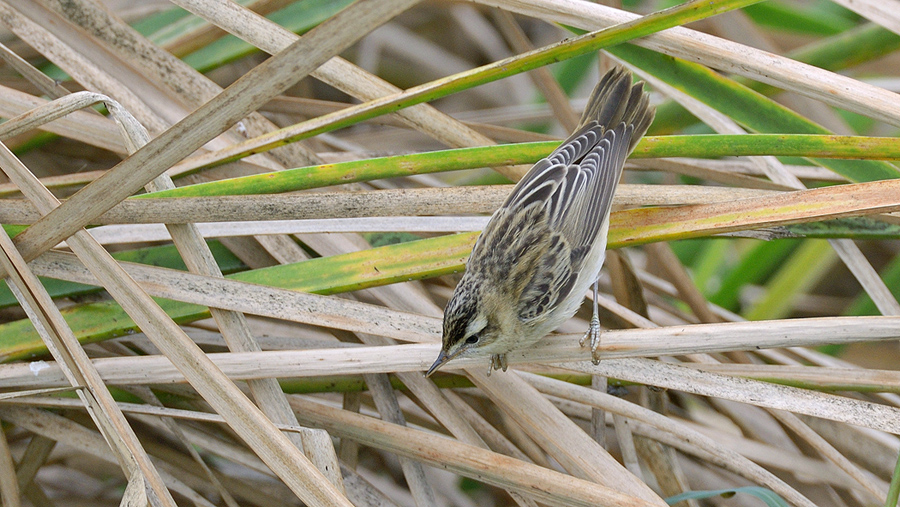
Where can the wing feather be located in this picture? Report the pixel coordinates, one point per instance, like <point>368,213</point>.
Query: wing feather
<point>581,216</point>
<point>538,184</point>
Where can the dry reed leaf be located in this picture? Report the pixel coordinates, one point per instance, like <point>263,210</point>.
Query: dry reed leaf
<point>548,486</point>
<point>80,373</point>
<point>158,69</point>
<point>82,126</point>
<point>749,449</point>
<point>580,455</point>
<point>841,201</point>
<point>244,297</point>
<point>372,203</point>
<point>199,259</point>
<point>737,172</point>
<point>553,93</point>
<point>836,408</point>
<point>61,429</point>
<point>555,488</point>
<point>34,457</point>
<point>661,341</point>
<point>245,418</point>
<point>8,475</point>
<point>691,441</point>
<point>876,488</point>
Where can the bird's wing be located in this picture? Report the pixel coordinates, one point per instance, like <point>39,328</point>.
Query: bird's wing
<point>585,171</point>
<point>550,283</point>
<point>568,195</point>
<point>583,198</point>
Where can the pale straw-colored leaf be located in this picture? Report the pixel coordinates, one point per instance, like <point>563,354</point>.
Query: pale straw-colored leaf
<point>126,51</point>
<point>389,408</point>
<point>233,326</point>
<point>60,429</point>
<point>79,371</point>
<point>545,485</point>
<point>574,449</point>
<point>542,77</point>
<point>876,488</point>
<point>836,408</point>
<point>135,493</point>
<point>80,247</point>
<point>699,443</point>
<point>9,487</point>
<point>244,417</point>
<point>35,456</point>
<point>105,55</point>
<point>83,126</point>
<point>662,341</point>
<point>824,378</point>
<point>373,203</point>
<point>35,392</point>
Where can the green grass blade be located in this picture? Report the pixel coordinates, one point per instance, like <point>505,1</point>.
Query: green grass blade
<point>861,228</point>
<point>790,17</point>
<point>708,261</point>
<point>847,49</point>
<point>797,275</point>
<point>894,489</point>
<point>706,146</point>
<point>169,24</point>
<point>755,266</point>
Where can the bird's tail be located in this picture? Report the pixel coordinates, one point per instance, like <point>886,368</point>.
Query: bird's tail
<point>615,100</point>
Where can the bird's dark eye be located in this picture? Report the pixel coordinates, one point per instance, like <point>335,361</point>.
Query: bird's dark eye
<point>472,339</point>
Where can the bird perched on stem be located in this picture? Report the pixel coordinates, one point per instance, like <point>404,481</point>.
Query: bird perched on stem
<point>541,251</point>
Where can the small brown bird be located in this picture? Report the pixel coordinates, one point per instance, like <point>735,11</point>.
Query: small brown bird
<point>544,247</point>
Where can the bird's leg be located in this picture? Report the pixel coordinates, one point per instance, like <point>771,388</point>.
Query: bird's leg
<point>594,330</point>
<point>498,362</point>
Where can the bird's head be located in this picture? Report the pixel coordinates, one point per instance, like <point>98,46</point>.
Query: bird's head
<point>469,327</point>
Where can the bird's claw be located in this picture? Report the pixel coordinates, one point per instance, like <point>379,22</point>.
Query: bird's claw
<point>498,362</point>
<point>593,333</point>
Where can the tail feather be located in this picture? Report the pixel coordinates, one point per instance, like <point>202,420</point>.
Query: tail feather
<point>615,100</point>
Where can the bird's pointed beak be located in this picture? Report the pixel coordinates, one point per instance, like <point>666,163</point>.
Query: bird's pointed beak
<point>442,358</point>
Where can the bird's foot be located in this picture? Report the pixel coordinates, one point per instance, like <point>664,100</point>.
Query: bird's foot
<point>498,362</point>
<point>593,333</point>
